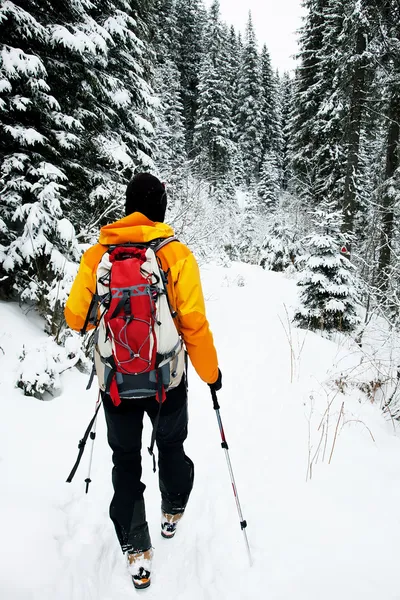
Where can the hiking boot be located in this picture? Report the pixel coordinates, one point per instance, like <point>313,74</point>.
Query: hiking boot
<point>139,565</point>
<point>169,524</point>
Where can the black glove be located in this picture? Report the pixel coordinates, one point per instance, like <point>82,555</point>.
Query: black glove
<point>217,385</point>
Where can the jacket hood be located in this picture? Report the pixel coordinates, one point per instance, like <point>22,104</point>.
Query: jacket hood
<point>133,228</point>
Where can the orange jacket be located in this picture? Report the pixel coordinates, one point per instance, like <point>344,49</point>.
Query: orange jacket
<point>184,287</point>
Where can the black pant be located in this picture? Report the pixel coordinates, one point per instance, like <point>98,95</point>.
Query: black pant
<point>176,470</point>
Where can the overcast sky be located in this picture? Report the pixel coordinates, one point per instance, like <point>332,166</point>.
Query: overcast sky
<point>275,21</point>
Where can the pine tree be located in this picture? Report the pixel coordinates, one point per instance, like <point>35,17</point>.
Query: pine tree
<point>285,99</point>
<point>249,117</point>
<point>37,242</point>
<point>328,300</point>
<point>279,248</point>
<point>190,25</point>
<point>75,118</point>
<point>358,77</point>
<point>272,135</point>
<point>170,153</point>
<point>387,15</point>
<point>249,242</point>
<point>268,185</point>
<point>114,105</point>
<point>214,129</point>
<point>234,53</point>
<point>307,100</point>
<point>330,102</point>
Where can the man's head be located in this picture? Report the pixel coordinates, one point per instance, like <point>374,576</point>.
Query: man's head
<point>146,194</point>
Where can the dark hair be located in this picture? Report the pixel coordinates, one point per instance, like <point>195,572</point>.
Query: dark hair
<point>146,194</point>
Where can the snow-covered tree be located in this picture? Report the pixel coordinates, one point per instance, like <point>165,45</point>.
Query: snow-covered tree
<point>75,113</point>
<point>190,25</point>
<point>169,153</point>
<point>268,184</point>
<point>37,241</point>
<point>169,148</point>
<point>214,129</point>
<point>272,134</point>
<point>106,89</point>
<point>249,116</point>
<point>285,109</point>
<point>251,228</point>
<point>279,249</point>
<point>328,300</point>
<point>307,99</point>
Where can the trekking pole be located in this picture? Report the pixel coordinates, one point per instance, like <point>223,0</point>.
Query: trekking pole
<point>90,432</point>
<point>92,436</point>
<point>224,445</point>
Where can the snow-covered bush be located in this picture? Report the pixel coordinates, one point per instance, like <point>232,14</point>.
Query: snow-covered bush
<point>41,366</point>
<point>201,220</point>
<point>329,294</point>
<point>280,248</point>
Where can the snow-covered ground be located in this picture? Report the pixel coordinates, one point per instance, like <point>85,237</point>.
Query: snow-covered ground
<point>333,535</point>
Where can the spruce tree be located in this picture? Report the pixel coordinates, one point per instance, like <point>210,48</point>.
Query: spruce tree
<point>268,185</point>
<point>169,153</point>
<point>307,100</point>
<point>272,135</point>
<point>114,104</point>
<point>214,129</point>
<point>328,300</point>
<point>250,236</point>
<point>279,248</point>
<point>249,117</point>
<point>285,99</point>
<point>387,15</point>
<point>190,25</point>
<point>37,242</point>
<point>75,118</point>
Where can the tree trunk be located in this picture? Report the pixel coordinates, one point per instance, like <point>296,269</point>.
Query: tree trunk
<point>357,107</point>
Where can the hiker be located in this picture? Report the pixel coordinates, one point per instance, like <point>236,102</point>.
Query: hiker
<point>145,208</point>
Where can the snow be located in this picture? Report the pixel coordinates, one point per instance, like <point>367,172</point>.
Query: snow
<point>115,150</point>
<point>15,61</point>
<point>66,139</point>
<point>122,98</point>
<point>25,135</point>
<point>76,40</point>
<point>5,86</point>
<point>144,124</point>
<point>66,230</point>
<point>49,172</point>
<point>315,529</point>
<point>20,103</point>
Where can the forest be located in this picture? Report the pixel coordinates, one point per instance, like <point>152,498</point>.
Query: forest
<point>291,171</point>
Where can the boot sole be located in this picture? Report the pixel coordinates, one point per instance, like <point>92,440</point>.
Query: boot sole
<point>167,537</point>
<point>140,586</point>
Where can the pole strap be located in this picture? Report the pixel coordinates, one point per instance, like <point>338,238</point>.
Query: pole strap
<point>81,446</point>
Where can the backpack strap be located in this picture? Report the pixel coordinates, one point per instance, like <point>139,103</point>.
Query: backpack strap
<point>91,317</point>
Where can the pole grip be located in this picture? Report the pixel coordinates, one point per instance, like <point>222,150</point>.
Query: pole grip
<point>215,399</point>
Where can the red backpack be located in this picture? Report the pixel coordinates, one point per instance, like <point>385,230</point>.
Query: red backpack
<point>138,351</point>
